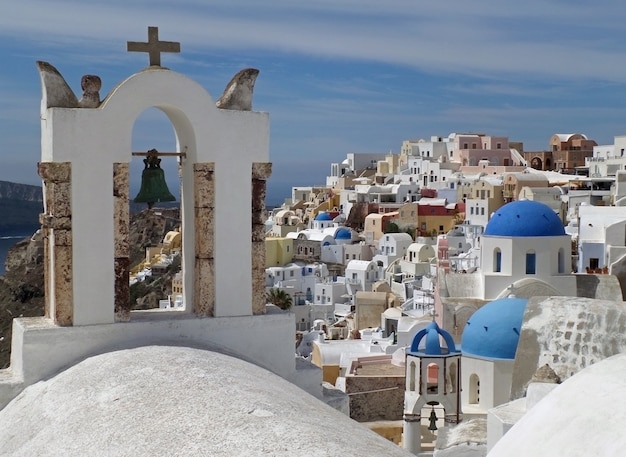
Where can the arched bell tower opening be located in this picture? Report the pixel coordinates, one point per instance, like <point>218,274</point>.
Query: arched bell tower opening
<point>222,202</point>
<point>86,157</point>
<point>431,393</point>
<point>153,141</point>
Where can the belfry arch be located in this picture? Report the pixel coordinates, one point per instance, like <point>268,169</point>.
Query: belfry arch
<point>84,165</point>
<point>85,157</point>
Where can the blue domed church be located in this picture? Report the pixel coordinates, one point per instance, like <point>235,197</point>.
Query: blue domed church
<point>488,347</point>
<point>525,245</point>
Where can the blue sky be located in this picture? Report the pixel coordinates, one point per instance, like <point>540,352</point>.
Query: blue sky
<point>336,76</point>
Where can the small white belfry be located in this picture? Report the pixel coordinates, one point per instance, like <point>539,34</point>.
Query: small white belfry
<point>432,380</point>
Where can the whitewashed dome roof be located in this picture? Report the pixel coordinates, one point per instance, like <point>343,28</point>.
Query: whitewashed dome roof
<point>164,401</point>
<point>586,415</point>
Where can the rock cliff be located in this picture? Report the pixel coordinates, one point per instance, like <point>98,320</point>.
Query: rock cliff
<point>21,287</point>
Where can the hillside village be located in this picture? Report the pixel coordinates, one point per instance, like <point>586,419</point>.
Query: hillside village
<point>449,236</point>
<point>462,297</point>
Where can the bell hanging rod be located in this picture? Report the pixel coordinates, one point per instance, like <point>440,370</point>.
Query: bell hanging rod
<point>182,154</point>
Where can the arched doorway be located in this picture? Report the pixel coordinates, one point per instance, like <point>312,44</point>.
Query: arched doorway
<point>536,163</point>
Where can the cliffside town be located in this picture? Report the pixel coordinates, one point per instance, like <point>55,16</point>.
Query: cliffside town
<point>406,266</point>
<point>447,243</point>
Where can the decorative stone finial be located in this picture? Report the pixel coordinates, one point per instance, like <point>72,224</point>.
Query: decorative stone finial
<point>55,91</point>
<point>90,84</point>
<point>238,92</point>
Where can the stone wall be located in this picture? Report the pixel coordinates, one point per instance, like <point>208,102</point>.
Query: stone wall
<point>568,334</point>
<point>374,398</point>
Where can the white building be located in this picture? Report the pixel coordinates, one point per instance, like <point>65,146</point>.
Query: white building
<point>392,246</point>
<point>361,275</point>
<point>601,236</point>
<point>525,240</point>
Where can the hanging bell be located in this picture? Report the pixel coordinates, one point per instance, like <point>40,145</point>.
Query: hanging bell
<point>153,187</point>
<point>433,421</point>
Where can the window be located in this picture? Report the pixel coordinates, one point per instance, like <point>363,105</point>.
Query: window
<point>498,145</point>
<point>482,211</point>
<point>474,393</point>
<point>531,263</point>
<point>472,210</point>
<point>452,373</point>
<point>432,376</point>
<point>291,273</point>
<point>561,261</point>
<point>497,260</point>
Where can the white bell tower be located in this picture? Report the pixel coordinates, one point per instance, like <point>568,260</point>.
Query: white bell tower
<point>433,374</point>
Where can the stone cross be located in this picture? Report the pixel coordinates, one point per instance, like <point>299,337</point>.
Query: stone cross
<point>153,47</point>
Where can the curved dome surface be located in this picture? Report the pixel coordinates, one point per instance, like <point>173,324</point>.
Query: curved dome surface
<point>563,422</point>
<point>343,234</point>
<point>165,401</point>
<point>323,217</point>
<point>432,335</point>
<point>524,218</point>
<point>492,332</point>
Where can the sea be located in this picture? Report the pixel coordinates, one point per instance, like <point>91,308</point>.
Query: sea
<point>8,239</point>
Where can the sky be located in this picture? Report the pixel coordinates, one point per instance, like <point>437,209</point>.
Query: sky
<point>336,76</point>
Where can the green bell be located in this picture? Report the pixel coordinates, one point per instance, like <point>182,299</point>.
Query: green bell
<point>432,420</point>
<point>153,187</point>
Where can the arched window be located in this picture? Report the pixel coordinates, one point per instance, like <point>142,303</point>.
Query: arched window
<point>453,380</point>
<point>497,260</point>
<point>561,261</point>
<point>412,376</point>
<point>531,261</point>
<point>432,376</point>
<point>474,387</point>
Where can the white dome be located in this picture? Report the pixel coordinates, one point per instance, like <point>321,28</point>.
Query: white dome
<point>586,415</point>
<point>163,401</point>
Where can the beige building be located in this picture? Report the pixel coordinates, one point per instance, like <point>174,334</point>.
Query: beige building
<point>483,198</point>
<point>513,183</point>
<point>376,225</point>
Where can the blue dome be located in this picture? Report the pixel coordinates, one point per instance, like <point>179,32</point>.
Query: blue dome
<point>432,346</point>
<point>524,218</point>
<point>323,217</point>
<point>493,331</point>
<point>343,234</point>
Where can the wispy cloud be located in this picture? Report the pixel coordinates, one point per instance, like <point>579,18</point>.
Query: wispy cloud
<point>341,75</point>
<point>558,39</point>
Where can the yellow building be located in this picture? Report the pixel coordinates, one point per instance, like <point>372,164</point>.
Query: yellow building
<point>435,218</point>
<point>278,251</point>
